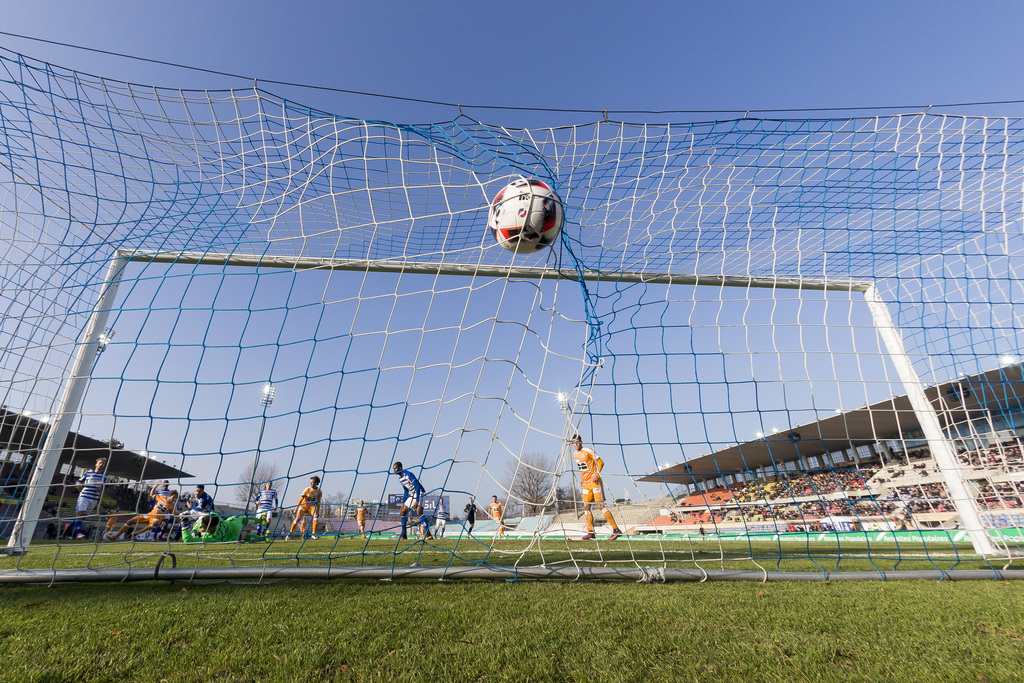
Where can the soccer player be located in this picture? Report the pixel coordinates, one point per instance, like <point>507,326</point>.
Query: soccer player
<point>214,529</point>
<point>266,504</point>
<point>202,504</point>
<point>441,515</point>
<point>163,506</point>
<point>308,506</point>
<point>411,500</point>
<point>497,511</point>
<point>590,467</point>
<point>90,487</point>
<point>470,511</point>
<point>361,518</point>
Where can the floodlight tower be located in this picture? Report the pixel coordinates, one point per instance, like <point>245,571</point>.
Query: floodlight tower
<point>266,399</point>
<point>566,408</point>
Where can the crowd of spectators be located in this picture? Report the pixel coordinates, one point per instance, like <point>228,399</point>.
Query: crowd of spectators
<point>811,510</point>
<point>1006,494</point>
<point>801,484</point>
<point>922,498</point>
<point>1005,456</point>
<point>756,501</point>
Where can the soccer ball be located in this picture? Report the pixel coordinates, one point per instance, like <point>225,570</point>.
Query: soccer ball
<point>525,216</point>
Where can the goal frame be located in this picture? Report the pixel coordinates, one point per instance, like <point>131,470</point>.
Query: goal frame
<point>74,391</point>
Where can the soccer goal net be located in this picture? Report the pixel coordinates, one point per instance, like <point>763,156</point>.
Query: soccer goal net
<point>790,348</point>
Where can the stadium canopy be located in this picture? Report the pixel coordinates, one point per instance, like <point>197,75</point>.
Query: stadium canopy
<point>999,391</point>
<point>20,433</point>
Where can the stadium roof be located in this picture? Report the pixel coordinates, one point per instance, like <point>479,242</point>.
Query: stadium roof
<point>996,391</point>
<point>22,433</point>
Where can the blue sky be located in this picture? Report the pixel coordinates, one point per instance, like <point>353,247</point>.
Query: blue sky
<point>664,56</point>
<point>577,55</point>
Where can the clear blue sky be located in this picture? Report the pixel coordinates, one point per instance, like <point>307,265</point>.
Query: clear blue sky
<point>615,56</point>
<point>586,55</point>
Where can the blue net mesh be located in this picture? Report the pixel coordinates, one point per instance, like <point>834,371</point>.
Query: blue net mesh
<point>701,322</point>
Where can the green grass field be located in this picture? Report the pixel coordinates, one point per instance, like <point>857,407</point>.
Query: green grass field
<point>504,631</point>
<point>810,556</point>
<point>499,631</point>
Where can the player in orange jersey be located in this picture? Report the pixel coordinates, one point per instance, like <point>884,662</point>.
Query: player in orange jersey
<point>497,511</point>
<point>164,502</point>
<point>308,506</point>
<point>361,518</point>
<point>590,467</point>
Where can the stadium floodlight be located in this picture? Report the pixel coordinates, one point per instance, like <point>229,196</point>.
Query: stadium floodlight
<point>105,337</point>
<point>1008,359</point>
<point>266,398</point>
<point>563,402</point>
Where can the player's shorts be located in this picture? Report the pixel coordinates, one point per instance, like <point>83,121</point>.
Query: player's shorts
<point>153,520</point>
<point>85,504</point>
<point>265,517</point>
<point>305,510</point>
<point>411,500</point>
<point>592,496</point>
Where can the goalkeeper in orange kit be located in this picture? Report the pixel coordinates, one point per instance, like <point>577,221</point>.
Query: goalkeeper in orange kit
<point>590,467</point>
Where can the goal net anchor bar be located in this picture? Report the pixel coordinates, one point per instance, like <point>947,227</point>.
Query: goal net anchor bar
<point>387,573</point>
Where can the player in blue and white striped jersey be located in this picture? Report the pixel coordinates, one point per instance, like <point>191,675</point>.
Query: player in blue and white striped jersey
<point>441,515</point>
<point>412,499</point>
<point>90,488</point>
<point>266,503</point>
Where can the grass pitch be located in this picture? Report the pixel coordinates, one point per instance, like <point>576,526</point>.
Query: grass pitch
<point>522,631</point>
<point>628,552</point>
<point>366,630</point>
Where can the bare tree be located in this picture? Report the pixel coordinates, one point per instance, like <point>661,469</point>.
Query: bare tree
<point>529,482</point>
<point>567,498</point>
<point>336,504</point>
<point>249,483</point>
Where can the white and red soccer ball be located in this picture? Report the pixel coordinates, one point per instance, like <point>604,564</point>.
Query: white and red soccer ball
<point>525,216</point>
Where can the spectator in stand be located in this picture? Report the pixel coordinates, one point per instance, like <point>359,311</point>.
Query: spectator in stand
<point>90,488</point>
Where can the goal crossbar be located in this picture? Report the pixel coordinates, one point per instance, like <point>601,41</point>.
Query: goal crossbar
<point>482,270</point>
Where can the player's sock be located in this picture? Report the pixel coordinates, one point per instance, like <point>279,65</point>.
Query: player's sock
<point>77,525</point>
<point>426,525</point>
<point>405,522</point>
<point>611,520</point>
<point>588,518</point>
